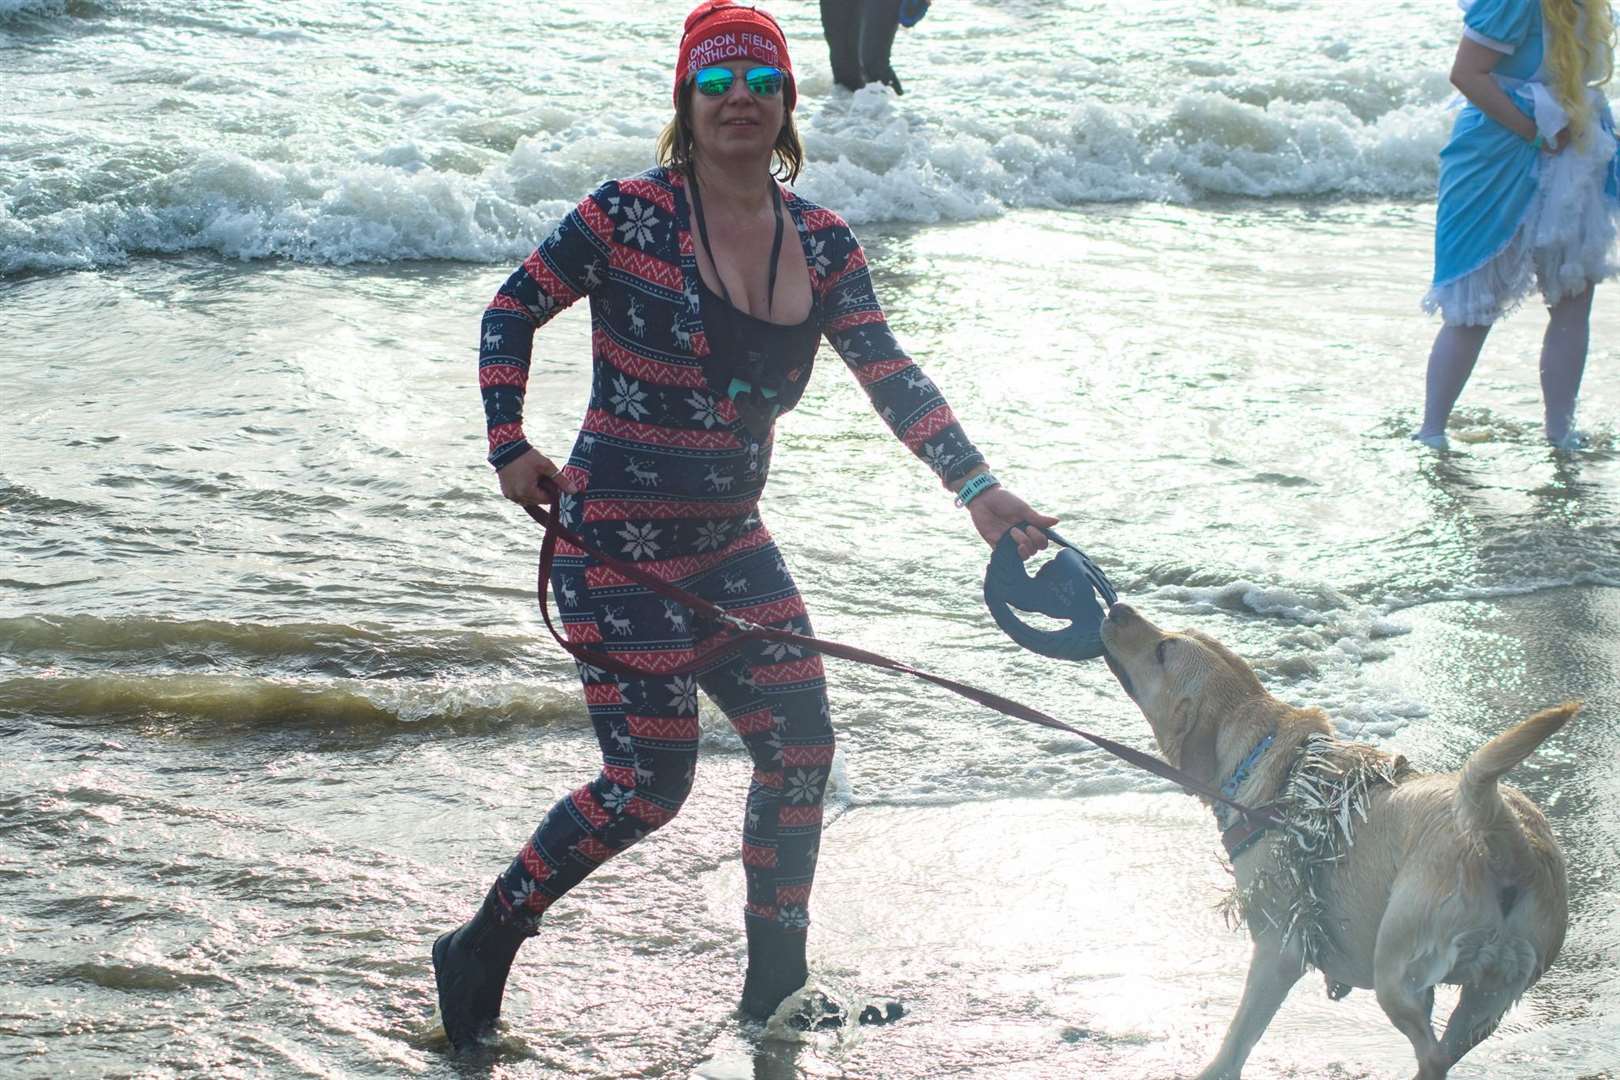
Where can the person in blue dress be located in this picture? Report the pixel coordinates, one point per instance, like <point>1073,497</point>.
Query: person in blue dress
<point>1528,196</point>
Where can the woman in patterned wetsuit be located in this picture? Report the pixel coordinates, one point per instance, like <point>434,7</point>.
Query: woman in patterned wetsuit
<point>710,287</point>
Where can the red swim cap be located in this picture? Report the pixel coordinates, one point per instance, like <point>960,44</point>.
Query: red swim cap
<point>718,31</point>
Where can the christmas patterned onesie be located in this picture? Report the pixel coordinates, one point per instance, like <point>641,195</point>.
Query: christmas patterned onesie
<point>670,479</point>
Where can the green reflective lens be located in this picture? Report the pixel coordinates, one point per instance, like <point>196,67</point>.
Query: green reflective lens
<point>765,81</point>
<point>714,81</point>
<point>762,81</point>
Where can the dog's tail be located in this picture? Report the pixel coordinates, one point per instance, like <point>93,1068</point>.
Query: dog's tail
<point>1480,810</point>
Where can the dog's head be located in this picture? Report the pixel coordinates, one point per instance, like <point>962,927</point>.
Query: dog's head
<point>1185,683</point>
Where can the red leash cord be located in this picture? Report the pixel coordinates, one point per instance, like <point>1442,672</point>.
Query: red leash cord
<point>741,630</point>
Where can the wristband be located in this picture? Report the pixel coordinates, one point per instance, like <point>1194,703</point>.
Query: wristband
<point>1539,141</point>
<point>974,488</point>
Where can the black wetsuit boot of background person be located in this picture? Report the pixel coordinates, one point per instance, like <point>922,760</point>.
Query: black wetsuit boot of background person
<point>860,36</point>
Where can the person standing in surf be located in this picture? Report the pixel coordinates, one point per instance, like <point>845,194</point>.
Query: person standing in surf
<point>860,37</point>
<point>1528,192</point>
<point>711,285</point>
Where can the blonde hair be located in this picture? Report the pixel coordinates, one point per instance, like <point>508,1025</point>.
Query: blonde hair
<point>1578,59</point>
<point>677,149</point>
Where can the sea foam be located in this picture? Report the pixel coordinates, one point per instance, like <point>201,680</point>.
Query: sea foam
<point>440,199</point>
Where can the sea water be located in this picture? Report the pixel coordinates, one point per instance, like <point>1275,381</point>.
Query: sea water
<point>275,702</point>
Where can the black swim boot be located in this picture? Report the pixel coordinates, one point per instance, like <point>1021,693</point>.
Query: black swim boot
<point>776,967</point>
<point>470,965</point>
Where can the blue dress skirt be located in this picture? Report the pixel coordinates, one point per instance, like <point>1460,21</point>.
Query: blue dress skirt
<point>1512,218</point>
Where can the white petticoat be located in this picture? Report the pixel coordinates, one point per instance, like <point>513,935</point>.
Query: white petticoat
<point>1564,244</point>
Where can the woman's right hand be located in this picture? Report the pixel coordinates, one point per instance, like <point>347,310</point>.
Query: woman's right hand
<point>520,479</point>
<point>1557,143</point>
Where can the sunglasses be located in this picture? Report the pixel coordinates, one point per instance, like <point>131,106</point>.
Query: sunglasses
<point>716,81</point>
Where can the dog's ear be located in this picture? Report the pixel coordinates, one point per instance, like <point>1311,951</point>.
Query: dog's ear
<point>1197,755</point>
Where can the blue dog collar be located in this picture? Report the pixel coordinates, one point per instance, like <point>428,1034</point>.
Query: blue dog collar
<point>1239,836</point>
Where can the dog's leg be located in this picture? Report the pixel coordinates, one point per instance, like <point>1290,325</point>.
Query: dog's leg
<point>1273,971</point>
<point>1406,991</point>
<point>1475,1017</point>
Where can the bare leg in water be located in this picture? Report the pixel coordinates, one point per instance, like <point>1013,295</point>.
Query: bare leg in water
<point>1451,361</point>
<point>1563,361</point>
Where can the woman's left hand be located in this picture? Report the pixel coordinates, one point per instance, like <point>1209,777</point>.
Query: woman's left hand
<point>997,510</point>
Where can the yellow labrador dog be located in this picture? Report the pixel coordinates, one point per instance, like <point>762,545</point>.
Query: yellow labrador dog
<point>1448,878</point>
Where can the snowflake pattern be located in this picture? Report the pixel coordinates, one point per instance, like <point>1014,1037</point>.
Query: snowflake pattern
<point>774,743</point>
<point>711,535</point>
<point>705,408</point>
<point>628,397</point>
<point>818,255</point>
<point>779,650</point>
<point>540,307</point>
<point>526,889</point>
<point>656,324</point>
<point>683,694</point>
<point>938,456</point>
<point>655,318</point>
<point>804,786</point>
<point>639,220</point>
<point>638,540</point>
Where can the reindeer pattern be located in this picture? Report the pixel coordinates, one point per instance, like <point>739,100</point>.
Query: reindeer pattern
<point>678,494</point>
<point>627,249</point>
<point>717,480</point>
<point>617,623</point>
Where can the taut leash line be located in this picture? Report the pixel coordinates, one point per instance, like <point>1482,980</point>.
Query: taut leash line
<point>740,630</point>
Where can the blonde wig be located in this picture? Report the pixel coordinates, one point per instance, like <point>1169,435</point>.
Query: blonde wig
<point>1580,53</point>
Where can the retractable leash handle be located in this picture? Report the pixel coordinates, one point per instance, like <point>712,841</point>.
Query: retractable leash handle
<point>1068,587</point>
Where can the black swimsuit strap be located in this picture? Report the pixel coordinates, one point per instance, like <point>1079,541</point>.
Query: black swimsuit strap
<point>776,246</point>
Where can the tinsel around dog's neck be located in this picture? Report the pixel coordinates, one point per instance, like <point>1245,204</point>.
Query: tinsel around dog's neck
<point>1329,787</point>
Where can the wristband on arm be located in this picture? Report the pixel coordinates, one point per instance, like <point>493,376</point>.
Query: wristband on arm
<point>975,487</point>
